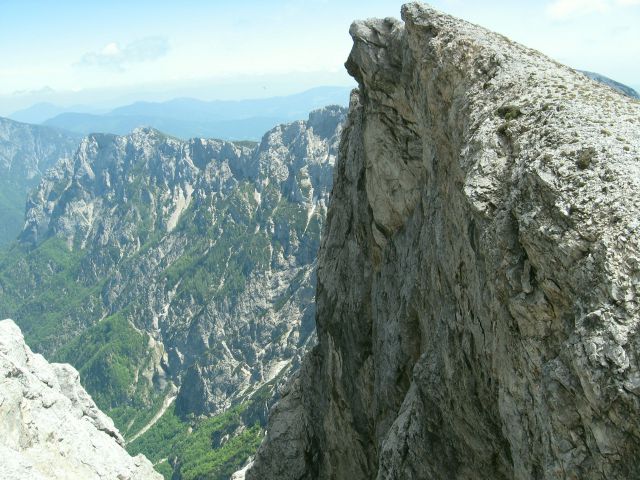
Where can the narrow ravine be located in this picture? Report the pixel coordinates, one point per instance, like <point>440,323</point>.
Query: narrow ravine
<point>170,398</point>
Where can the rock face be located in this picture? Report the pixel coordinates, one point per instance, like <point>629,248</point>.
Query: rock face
<point>176,270</point>
<point>478,279</point>
<point>51,429</point>
<point>26,152</point>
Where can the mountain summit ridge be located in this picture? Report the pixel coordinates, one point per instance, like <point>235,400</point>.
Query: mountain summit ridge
<point>477,300</point>
<point>175,274</point>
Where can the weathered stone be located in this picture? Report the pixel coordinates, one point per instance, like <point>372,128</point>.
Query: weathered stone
<point>476,302</point>
<point>51,429</point>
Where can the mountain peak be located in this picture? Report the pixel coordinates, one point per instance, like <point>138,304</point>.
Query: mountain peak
<point>476,305</point>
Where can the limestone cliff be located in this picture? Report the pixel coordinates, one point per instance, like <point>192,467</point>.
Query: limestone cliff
<point>51,429</point>
<point>26,152</point>
<point>477,311</point>
<point>177,276</point>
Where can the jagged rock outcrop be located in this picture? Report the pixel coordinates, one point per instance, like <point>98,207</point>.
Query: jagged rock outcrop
<point>176,271</point>
<point>51,429</point>
<point>478,279</point>
<point>26,152</point>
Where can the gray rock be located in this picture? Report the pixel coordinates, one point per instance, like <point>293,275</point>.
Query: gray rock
<point>26,153</point>
<point>204,248</point>
<point>477,310</point>
<point>51,429</point>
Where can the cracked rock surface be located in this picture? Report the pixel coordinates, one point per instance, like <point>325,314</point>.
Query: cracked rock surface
<point>51,428</point>
<point>479,272</point>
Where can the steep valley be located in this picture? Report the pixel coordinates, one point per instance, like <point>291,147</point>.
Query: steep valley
<point>178,278</point>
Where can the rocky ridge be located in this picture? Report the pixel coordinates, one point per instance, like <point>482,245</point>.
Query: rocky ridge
<point>26,152</point>
<point>176,274</point>
<point>51,429</point>
<point>628,91</point>
<point>477,311</point>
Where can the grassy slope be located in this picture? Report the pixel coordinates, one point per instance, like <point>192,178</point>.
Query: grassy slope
<point>40,287</point>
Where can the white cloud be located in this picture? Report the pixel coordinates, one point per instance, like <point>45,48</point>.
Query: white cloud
<point>562,9</point>
<point>115,57</point>
<point>111,50</point>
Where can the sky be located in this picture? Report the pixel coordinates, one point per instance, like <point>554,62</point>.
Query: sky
<point>102,52</point>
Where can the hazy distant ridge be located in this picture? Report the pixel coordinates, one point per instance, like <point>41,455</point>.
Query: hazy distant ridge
<point>628,91</point>
<point>188,117</point>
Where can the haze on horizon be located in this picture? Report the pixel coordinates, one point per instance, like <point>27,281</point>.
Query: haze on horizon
<point>105,54</point>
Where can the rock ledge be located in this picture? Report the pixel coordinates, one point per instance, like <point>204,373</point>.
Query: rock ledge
<point>50,428</point>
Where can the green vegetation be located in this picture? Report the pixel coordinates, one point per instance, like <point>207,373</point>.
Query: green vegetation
<point>509,112</point>
<point>165,469</point>
<point>203,462</point>
<point>50,316</point>
<point>159,441</point>
<point>109,356</point>
<point>212,448</point>
<point>200,452</point>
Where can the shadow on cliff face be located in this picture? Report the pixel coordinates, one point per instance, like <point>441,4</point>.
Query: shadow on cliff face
<point>476,306</point>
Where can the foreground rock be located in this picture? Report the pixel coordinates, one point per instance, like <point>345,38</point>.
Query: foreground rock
<point>49,426</point>
<point>477,308</point>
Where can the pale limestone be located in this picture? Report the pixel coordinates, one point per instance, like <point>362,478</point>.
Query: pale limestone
<point>51,428</point>
<point>477,307</point>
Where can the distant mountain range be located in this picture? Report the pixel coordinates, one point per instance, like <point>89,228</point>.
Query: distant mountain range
<point>26,152</point>
<point>187,117</point>
<point>630,92</point>
<point>43,111</point>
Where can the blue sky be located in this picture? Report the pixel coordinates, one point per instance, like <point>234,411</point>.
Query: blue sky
<point>252,48</point>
